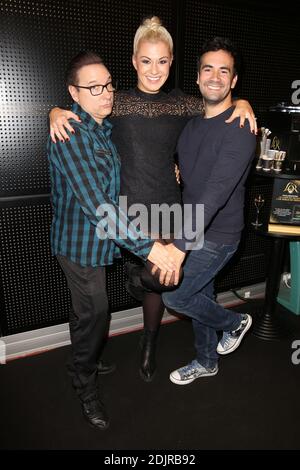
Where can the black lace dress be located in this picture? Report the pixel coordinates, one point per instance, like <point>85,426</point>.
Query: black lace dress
<point>146,130</point>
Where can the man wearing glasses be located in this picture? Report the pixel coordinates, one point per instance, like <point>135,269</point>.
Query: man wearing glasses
<point>85,180</point>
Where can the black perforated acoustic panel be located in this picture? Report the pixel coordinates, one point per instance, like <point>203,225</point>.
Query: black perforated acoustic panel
<point>37,40</point>
<point>24,166</point>
<point>34,289</point>
<point>267,35</point>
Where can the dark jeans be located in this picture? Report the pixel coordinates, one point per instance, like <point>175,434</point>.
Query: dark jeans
<point>88,322</point>
<point>195,298</point>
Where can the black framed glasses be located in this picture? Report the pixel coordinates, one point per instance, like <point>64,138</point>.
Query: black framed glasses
<point>97,90</point>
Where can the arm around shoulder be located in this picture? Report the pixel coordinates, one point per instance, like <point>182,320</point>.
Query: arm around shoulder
<point>60,128</point>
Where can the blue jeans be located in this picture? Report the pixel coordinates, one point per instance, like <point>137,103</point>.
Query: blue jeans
<point>195,298</point>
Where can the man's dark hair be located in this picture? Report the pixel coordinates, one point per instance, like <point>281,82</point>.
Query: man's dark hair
<point>221,44</point>
<point>79,61</point>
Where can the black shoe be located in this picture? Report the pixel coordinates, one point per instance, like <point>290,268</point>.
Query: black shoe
<point>94,411</point>
<point>105,368</point>
<point>148,365</point>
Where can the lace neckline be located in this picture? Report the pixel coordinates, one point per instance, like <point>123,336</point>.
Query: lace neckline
<point>149,96</point>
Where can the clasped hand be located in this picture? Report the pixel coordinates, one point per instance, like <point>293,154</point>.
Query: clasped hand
<point>167,259</point>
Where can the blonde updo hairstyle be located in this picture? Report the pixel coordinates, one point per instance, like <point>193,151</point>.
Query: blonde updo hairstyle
<point>152,30</point>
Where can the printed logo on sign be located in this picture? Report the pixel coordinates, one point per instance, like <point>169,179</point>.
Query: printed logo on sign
<point>291,188</point>
<point>2,352</point>
<point>296,354</point>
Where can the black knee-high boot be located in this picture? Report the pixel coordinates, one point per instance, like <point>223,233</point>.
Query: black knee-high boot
<point>148,363</point>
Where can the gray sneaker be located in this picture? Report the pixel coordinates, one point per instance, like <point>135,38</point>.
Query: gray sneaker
<point>187,374</point>
<point>232,339</point>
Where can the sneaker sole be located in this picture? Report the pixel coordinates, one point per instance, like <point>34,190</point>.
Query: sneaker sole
<point>236,345</point>
<point>188,381</point>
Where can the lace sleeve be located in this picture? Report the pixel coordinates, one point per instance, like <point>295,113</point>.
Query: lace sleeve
<point>194,104</point>
<point>173,104</point>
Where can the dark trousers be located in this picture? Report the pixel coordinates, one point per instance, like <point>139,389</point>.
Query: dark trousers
<point>88,322</point>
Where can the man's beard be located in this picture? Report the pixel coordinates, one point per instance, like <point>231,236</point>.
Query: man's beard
<point>217,100</point>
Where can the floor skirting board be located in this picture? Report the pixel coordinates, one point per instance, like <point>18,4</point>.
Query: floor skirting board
<point>44,339</point>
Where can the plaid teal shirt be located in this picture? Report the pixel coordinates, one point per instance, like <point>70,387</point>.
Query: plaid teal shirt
<point>85,180</point>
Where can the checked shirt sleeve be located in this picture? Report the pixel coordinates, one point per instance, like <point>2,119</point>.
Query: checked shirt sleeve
<point>75,160</point>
